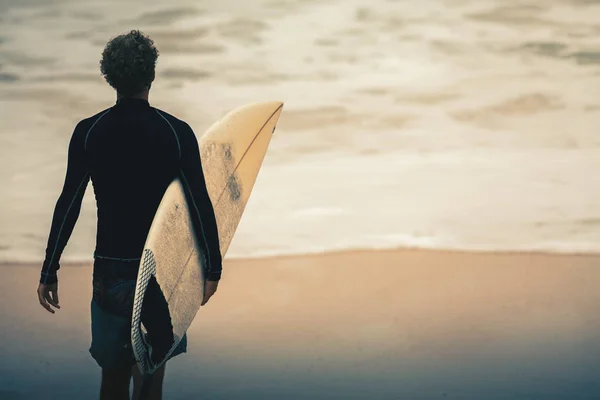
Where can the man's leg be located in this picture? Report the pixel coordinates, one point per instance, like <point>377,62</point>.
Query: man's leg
<point>115,383</point>
<point>111,334</point>
<point>157,383</point>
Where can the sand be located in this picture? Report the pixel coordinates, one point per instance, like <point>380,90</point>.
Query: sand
<point>352,325</point>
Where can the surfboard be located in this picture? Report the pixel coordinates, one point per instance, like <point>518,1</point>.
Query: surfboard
<point>172,262</point>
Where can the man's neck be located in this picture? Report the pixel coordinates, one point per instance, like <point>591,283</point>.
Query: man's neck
<point>143,96</point>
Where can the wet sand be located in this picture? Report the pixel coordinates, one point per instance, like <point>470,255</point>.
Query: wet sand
<point>353,325</point>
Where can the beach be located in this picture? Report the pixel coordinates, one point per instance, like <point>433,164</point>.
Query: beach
<point>425,224</point>
<point>408,324</point>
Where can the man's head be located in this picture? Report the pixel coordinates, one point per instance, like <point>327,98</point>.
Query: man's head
<point>128,63</point>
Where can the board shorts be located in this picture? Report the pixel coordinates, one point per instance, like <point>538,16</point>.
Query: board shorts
<point>111,309</point>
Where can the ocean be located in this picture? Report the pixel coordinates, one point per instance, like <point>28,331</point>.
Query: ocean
<point>446,124</point>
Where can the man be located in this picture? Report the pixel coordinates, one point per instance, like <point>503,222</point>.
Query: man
<point>131,152</point>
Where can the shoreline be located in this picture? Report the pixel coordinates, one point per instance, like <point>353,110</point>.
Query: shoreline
<point>349,252</point>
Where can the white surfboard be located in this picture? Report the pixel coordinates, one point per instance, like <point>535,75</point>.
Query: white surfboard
<point>232,151</point>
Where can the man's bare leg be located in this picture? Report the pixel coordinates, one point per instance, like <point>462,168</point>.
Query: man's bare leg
<point>115,383</point>
<point>157,383</point>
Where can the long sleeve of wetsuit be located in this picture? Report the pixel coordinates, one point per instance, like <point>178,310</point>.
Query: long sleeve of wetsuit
<point>67,207</point>
<point>203,214</point>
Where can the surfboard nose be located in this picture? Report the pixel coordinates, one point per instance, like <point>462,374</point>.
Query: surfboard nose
<point>274,104</point>
<point>261,110</point>
<point>278,105</point>
<point>243,123</point>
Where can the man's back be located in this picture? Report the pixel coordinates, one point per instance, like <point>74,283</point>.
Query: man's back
<point>133,155</point>
<point>131,152</point>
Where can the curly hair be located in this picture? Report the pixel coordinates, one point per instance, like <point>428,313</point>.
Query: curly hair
<point>128,63</point>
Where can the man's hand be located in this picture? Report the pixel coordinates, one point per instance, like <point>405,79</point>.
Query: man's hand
<point>210,287</point>
<point>48,296</point>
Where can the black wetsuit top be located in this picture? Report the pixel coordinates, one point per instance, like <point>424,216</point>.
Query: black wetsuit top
<point>131,152</point>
